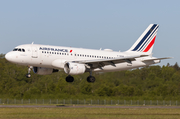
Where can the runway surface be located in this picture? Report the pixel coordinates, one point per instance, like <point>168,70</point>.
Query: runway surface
<point>81,106</point>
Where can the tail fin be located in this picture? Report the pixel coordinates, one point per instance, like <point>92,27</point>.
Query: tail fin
<point>146,41</point>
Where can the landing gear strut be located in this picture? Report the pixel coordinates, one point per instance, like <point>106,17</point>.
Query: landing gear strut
<point>91,79</point>
<point>69,78</point>
<point>28,75</point>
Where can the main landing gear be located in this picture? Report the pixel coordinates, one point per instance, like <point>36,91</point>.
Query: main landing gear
<point>90,79</point>
<point>28,75</point>
<point>69,78</point>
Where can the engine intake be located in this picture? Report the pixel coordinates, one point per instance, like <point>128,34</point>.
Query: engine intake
<point>74,68</point>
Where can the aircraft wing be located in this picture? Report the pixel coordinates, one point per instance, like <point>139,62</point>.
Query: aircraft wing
<point>102,62</point>
<point>157,58</point>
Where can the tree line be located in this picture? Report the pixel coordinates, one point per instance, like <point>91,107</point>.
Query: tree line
<point>147,83</point>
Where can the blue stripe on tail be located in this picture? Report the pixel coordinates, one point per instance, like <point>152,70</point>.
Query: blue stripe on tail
<point>144,38</point>
<point>148,39</point>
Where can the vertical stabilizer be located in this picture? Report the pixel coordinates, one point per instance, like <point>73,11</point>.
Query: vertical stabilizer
<point>146,41</point>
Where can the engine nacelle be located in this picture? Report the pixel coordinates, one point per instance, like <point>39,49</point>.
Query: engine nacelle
<point>74,68</point>
<point>44,71</point>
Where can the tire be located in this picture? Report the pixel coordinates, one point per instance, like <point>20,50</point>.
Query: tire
<point>28,75</point>
<point>91,79</point>
<point>69,79</point>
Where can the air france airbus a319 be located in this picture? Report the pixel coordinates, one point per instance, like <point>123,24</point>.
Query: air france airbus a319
<point>45,59</point>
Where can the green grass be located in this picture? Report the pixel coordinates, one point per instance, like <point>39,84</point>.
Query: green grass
<point>88,113</point>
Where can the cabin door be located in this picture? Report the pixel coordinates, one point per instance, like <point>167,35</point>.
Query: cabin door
<point>34,52</point>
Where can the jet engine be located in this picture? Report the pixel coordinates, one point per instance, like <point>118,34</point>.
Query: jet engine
<point>44,71</point>
<point>74,68</point>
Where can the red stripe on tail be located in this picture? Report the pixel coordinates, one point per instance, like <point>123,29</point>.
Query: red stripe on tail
<point>150,45</point>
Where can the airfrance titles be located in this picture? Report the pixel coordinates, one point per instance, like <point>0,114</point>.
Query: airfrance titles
<point>53,49</point>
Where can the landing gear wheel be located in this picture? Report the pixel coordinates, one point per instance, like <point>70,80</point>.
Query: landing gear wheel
<point>28,75</point>
<point>69,78</point>
<point>91,79</point>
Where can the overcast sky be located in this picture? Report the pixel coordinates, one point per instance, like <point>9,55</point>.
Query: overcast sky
<point>95,24</point>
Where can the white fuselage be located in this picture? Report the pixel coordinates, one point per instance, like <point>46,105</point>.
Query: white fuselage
<point>55,57</point>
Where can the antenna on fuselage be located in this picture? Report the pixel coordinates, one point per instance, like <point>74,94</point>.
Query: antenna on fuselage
<point>32,43</point>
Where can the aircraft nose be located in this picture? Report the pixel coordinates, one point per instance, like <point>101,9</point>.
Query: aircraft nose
<point>9,56</point>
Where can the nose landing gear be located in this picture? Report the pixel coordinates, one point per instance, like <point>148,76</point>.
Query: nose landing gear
<point>28,75</point>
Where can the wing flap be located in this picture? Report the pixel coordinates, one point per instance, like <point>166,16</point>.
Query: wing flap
<point>157,59</point>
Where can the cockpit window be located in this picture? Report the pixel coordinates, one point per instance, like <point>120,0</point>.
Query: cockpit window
<point>15,49</point>
<point>19,49</point>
